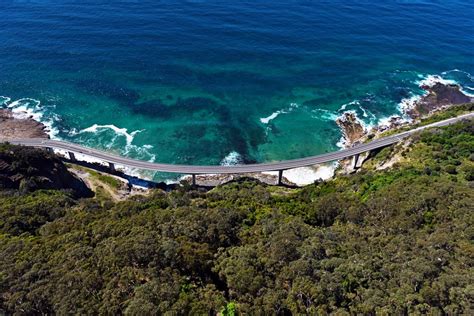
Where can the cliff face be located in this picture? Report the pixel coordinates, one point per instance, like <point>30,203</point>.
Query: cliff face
<point>27,169</point>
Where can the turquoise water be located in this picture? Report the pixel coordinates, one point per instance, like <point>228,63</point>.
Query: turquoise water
<point>212,82</point>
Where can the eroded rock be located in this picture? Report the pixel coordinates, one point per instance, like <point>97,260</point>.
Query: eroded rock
<point>351,127</point>
<point>439,96</point>
<point>14,127</point>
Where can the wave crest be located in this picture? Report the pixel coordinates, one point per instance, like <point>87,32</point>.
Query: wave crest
<point>232,159</point>
<point>31,108</point>
<point>4,100</point>
<point>143,152</point>
<point>431,80</point>
<point>274,115</point>
<point>117,130</point>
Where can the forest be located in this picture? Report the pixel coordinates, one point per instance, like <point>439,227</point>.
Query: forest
<point>393,241</point>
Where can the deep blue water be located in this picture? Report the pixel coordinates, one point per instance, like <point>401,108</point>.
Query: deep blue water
<point>193,81</point>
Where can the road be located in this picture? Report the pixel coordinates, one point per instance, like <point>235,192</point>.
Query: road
<point>194,170</point>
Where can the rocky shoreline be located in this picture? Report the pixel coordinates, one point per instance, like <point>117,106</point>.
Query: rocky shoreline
<point>438,96</point>
<point>20,127</point>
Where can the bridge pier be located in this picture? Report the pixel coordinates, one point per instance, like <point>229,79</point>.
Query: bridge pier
<point>112,167</point>
<point>50,150</point>
<point>280,177</point>
<point>355,161</point>
<point>72,157</point>
<point>194,180</point>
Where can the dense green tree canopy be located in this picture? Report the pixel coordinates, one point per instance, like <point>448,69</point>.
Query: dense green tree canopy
<point>397,241</point>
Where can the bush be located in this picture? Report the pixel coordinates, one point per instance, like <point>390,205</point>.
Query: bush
<point>451,169</point>
<point>468,172</point>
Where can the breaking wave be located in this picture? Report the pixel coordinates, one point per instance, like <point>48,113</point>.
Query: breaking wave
<point>31,108</point>
<point>116,133</point>
<point>274,115</point>
<point>4,100</point>
<point>431,80</point>
<point>470,76</point>
<point>409,103</point>
<point>232,159</point>
<point>325,115</point>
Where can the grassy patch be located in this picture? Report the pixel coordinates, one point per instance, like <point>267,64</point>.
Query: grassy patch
<point>111,181</point>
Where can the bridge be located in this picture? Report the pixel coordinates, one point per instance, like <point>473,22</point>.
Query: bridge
<point>279,166</point>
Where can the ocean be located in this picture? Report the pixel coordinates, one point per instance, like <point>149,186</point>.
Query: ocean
<point>224,82</point>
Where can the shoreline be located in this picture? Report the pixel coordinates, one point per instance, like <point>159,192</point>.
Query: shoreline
<point>439,94</point>
<point>16,126</point>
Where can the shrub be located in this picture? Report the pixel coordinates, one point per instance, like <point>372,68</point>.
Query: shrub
<point>451,169</point>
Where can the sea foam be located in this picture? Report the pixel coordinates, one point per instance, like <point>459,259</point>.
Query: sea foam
<point>325,115</point>
<point>266,120</point>
<point>232,159</point>
<point>356,105</point>
<point>470,76</point>
<point>307,175</point>
<point>345,105</point>
<point>4,100</point>
<point>431,80</point>
<point>141,152</point>
<point>409,103</point>
<point>31,108</point>
<point>117,130</point>
<point>469,94</point>
<point>274,115</point>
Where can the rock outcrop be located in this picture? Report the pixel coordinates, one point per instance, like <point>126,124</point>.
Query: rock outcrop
<point>351,127</point>
<point>14,127</point>
<point>439,96</point>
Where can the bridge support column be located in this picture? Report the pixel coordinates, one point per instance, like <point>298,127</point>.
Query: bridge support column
<point>72,157</point>
<point>111,167</point>
<point>280,177</point>
<point>50,150</point>
<point>194,179</point>
<point>355,161</point>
